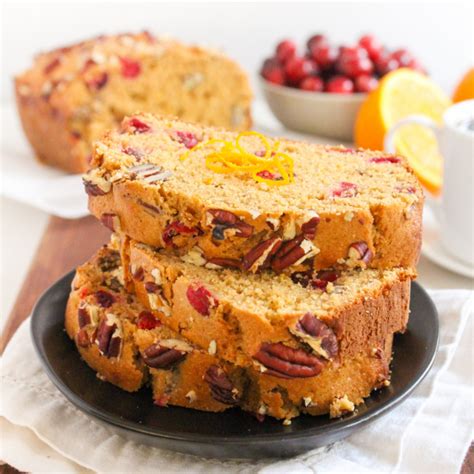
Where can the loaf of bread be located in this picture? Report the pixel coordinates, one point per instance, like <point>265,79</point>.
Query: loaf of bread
<point>72,95</point>
<point>129,345</point>
<point>193,191</point>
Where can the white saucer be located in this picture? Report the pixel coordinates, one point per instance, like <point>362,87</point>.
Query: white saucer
<point>434,251</point>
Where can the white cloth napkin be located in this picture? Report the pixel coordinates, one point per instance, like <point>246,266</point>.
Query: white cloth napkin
<point>429,432</point>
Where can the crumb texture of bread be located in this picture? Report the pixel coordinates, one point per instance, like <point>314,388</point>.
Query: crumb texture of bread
<point>349,208</point>
<point>129,345</point>
<point>72,95</point>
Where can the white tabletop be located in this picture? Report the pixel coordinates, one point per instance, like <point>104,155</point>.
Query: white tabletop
<point>23,226</point>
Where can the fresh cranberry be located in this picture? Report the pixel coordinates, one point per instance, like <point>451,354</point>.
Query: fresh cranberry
<point>372,45</point>
<point>366,83</point>
<point>386,64</point>
<point>384,159</point>
<point>296,69</point>
<point>146,320</point>
<point>188,139</point>
<point>344,189</point>
<point>201,299</point>
<point>273,72</point>
<point>176,228</point>
<point>354,62</point>
<point>316,40</point>
<point>324,55</point>
<point>340,85</point>
<point>403,56</point>
<point>138,125</point>
<point>312,83</point>
<point>285,50</point>
<point>130,68</point>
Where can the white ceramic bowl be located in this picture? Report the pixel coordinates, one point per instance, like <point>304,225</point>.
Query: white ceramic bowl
<point>317,113</point>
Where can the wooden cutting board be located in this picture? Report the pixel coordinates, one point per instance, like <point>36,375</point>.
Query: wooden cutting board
<point>65,245</point>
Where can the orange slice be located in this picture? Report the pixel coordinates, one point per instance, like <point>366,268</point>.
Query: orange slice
<point>401,93</point>
<point>465,89</point>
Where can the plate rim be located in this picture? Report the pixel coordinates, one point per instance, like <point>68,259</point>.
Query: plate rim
<point>337,425</point>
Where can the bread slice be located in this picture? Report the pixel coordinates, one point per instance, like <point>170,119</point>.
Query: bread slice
<point>128,345</point>
<point>72,95</point>
<point>344,207</point>
<point>252,320</point>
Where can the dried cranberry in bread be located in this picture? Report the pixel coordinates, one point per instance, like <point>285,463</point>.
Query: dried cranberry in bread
<point>152,181</point>
<point>72,95</point>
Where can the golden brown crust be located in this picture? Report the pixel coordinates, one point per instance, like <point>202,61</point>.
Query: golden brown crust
<point>72,95</point>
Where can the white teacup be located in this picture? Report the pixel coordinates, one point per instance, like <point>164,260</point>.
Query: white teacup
<point>454,211</point>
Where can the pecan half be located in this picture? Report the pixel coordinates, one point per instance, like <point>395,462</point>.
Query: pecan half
<point>309,228</point>
<point>318,335</point>
<point>109,336</point>
<point>360,251</point>
<point>226,224</point>
<point>293,252</point>
<point>149,172</point>
<point>165,354</point>
<point>286,362</point>
<point>222,388</point>
<point>261,255</point>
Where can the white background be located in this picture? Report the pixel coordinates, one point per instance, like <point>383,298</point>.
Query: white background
<point>439,33</point>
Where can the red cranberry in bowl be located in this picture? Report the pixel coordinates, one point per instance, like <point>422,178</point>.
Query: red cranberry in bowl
<point>315,40</point>
<point>340,85</point>
<point>366,83</point>
<point>312,83</point>
<point>273,72</point>
<point>285,50</point>
<point>354,62</point>
<point>386,64</point>
<point>403,56</point>
<point>372,45</point>
<point>296,69</point>
<point>324,55</point>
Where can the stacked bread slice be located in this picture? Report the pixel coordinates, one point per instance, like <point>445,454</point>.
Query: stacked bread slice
<point>245,271</point>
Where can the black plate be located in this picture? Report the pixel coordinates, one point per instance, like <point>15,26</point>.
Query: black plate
<point>231,434</point>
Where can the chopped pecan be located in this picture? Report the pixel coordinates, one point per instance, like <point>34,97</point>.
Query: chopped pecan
<point>318,335</point>
<point>109,336</point>
<point>138,273</point>
<point>111,221</point>
<point>261,255</point>
<point>226,220</point>
<point>224,263</point>
<point>360,251</point>
<point>165,354</point>
<point>153,210</point>
<point>83,338</point>
<point>286,362</point>
<point>152,287</point>
<point>293,252</point>
<point>222,388</point>
<point>109,261</point>
<point>83,317</point>
<point>104,298</point>
<point>96,185</point>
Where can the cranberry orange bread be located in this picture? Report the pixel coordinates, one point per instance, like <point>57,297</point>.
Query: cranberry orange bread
<point>151,180</point>
<point>72,95</point>
<point>265,320</point>
<point>127,345</point>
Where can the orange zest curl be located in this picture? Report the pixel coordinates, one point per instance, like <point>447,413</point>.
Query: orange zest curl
<point>272,167</point>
